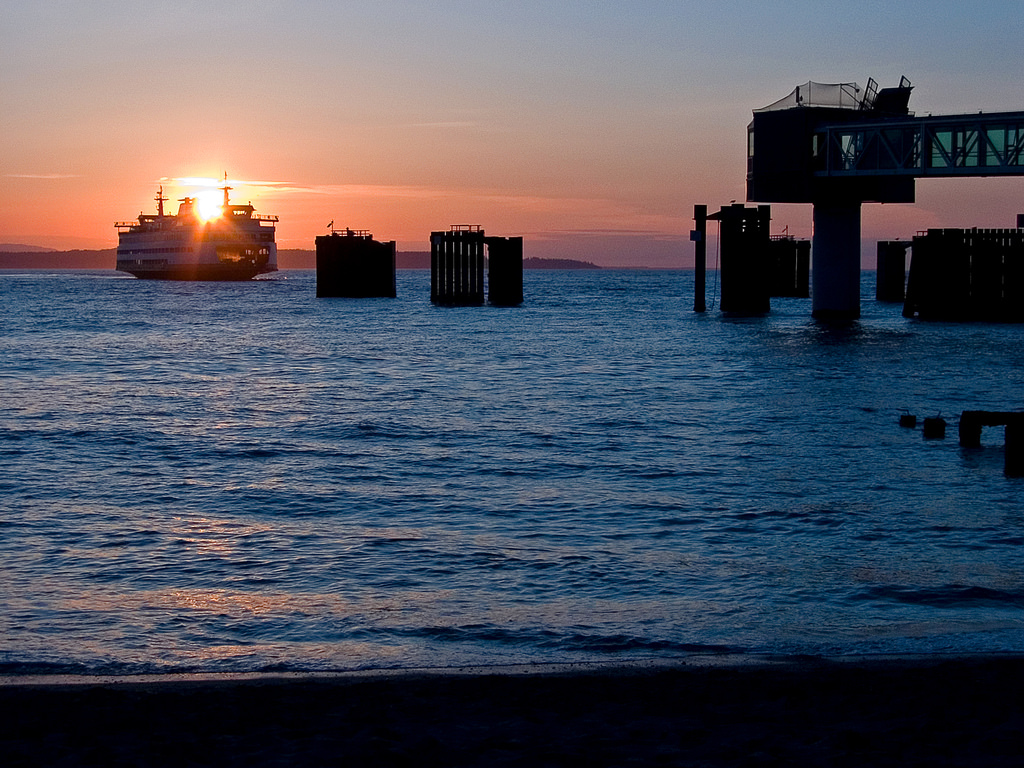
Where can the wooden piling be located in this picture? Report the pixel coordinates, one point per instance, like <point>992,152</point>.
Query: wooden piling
<point>743,272</point>
<point>457,266</point>
<point>788,266</point>
<point>504,271</point>
<point>969,429</point>
<point>699,236</point>
<point>891,270</point>
<point>934,428</point>
<point>1013,465</point>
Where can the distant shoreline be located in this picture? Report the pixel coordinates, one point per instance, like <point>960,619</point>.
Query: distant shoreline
<point>287,258</point>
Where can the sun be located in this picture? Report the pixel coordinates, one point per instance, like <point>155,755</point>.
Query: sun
<point>209,204</point>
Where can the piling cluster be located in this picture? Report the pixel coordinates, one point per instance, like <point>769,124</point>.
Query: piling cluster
<point>457,267</point>
<point>351,264</point>
<point>754,264</point>
<point>967,274</point>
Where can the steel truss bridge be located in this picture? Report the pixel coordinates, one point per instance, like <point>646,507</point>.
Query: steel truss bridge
<point>989,144</point>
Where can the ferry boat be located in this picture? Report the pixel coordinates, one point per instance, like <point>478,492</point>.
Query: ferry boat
<point>232,243</point>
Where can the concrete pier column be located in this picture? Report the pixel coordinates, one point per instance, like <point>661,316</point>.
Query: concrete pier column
<point>835,257</point>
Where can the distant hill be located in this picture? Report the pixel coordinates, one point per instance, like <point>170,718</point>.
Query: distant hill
<point>412,260</point>
<point>39,258</point>
<point>535,263</point>
<point>298,258</point>
<point>421,260</point>
<point>43,259</point>
<point>19,248</point>
<point>287,258</point>
<point>295,258</point>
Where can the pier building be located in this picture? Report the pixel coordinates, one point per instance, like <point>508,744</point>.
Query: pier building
<point>837,146</point>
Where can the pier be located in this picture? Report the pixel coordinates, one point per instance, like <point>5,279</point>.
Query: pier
<point>967,274</point>
<point>837,147</point>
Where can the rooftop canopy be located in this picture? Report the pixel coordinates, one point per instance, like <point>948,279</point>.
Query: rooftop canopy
<point>810,94</point>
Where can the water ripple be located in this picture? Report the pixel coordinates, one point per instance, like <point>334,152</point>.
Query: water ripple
<point>241,477</point>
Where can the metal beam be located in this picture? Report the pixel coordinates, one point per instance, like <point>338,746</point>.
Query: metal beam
<point>935,146</point>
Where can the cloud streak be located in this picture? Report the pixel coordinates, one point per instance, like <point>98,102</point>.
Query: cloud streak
<point>47,176</point>
<point>204,181</point>
<point>448,124</point>
<point>593,216</point>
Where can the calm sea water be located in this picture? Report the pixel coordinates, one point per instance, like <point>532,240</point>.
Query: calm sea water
<point>244,477</point>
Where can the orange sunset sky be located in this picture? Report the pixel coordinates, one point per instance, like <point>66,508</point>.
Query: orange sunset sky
<point>590,128</point>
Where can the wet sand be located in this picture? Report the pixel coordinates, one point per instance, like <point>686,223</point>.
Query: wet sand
<point>905,712</point>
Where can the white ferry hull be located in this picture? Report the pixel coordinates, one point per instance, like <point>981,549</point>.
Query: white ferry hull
<point>236,244</point>
<point>149,263</point>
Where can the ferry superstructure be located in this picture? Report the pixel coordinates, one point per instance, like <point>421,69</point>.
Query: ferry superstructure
<point>235,243</point>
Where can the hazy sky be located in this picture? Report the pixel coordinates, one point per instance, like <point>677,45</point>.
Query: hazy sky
<point>591,128</point>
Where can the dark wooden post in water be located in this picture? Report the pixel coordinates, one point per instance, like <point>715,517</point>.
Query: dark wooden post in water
<point>891,270</point>
<point>457,265</point>
<point>789,265</point>
<point>504,271</point>
<point>1014,440</point>
<point>699,236</point>
<point>351,264</point>
<point>971,423</point>
<point>744,259</point>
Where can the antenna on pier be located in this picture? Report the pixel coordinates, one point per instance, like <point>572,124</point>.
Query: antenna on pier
<point>226,188</point>
<point>160,199</point>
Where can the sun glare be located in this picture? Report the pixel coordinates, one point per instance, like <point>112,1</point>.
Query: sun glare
<point>208,204</point>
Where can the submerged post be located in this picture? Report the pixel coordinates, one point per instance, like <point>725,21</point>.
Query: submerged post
<point>700,256</point>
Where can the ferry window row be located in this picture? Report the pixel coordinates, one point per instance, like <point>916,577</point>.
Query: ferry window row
<point>137,251</point>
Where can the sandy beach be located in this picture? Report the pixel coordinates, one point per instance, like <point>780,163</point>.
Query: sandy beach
<point>920,711</point>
